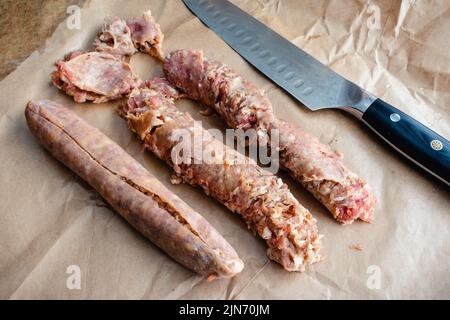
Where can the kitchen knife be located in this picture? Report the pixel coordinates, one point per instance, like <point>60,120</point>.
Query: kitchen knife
<point>318,87</point>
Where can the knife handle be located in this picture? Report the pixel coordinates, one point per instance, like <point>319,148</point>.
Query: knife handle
<point>411,138</point>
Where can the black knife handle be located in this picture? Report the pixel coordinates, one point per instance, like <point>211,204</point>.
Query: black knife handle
<point>414,140</point>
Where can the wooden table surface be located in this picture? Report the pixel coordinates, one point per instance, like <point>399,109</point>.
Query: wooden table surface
<point>24,27</point>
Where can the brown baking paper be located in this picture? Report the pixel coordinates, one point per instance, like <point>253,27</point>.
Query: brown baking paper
<point>54,227</point>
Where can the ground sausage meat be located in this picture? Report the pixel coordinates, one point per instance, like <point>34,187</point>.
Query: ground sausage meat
<point>262,199</point>
<point>115,38</point>
<point>242,105</point>
<point>94,76</point>
<point>146,35</point>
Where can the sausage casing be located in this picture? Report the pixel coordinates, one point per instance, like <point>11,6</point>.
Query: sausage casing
<point>132,191</point>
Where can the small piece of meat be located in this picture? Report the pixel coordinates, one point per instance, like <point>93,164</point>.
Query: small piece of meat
<point>262,199</point>
<point>358,247</point>
<point>163,86</point>
<point>243,106</point>
<point>146,35</point>
<point>94,76</point>
<point>115,38</point>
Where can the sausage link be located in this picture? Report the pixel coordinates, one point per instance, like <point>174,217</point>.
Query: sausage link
<point>243,106</point>
<point>262,199</point>
<point>132,191</point>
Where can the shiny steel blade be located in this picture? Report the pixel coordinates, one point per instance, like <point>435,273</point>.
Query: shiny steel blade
<point>305,78</point>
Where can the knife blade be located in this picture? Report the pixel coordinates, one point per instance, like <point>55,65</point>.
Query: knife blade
<point>318,87</point>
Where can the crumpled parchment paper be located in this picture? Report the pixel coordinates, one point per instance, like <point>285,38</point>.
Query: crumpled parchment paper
<point>54,227</point>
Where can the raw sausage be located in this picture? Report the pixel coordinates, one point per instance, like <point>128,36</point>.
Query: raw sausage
<point>262,199</point>
<point>243,106</point>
